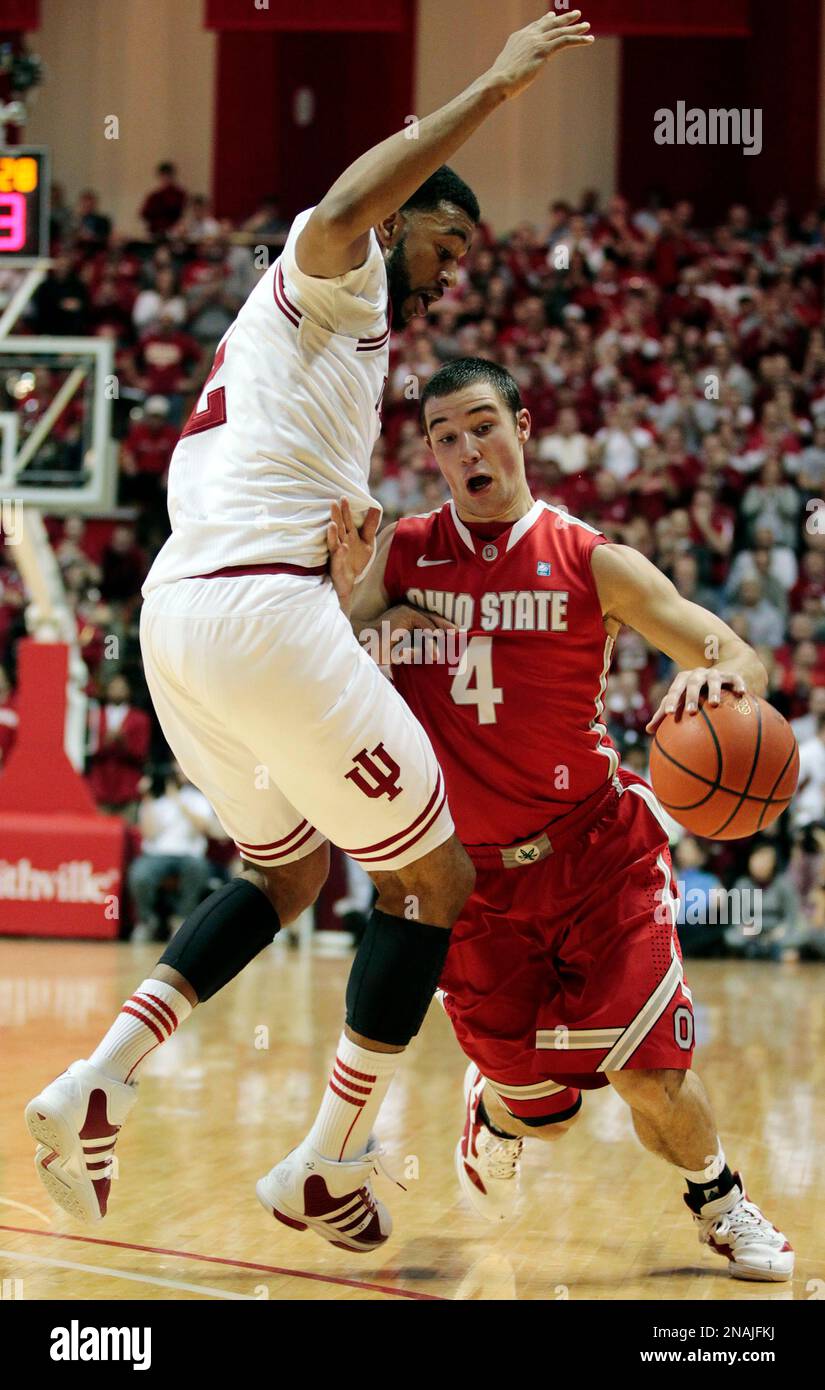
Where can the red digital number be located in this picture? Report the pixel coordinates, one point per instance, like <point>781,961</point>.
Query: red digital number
<point>12,221</point>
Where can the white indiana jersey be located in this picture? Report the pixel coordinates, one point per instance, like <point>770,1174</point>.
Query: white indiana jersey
<point>285,423</point>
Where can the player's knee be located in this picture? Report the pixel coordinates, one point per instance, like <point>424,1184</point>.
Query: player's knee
<point>648,1090</point>
<point>446,876</point>
<point>294,887</point>
<point>553,1124</point>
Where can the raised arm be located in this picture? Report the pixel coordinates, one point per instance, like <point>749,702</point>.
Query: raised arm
<point>336,236</point>
<point>633,591</point>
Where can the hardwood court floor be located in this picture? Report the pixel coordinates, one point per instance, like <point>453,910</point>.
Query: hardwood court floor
<point>600,1219</point>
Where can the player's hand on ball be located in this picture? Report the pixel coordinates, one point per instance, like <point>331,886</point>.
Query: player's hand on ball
<point>350,549</point>
<point>688,686</point>
<point>527,50</point>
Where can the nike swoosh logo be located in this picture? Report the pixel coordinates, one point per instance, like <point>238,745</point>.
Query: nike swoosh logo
<point>422,562</point>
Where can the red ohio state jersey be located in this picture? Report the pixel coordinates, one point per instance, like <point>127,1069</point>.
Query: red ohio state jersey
<point>516,722</point>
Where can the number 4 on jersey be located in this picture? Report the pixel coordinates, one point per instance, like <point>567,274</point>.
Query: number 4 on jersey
<point>477,665</point>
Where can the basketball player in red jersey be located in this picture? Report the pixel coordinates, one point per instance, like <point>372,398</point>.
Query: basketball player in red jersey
<point>564,971</point>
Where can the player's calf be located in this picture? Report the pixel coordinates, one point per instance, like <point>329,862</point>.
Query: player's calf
<point>391,984</point>
<point>673,1118</point>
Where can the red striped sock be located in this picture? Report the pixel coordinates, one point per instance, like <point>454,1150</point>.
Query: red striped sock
<point>357,1086</point>
<point>148,1018</point>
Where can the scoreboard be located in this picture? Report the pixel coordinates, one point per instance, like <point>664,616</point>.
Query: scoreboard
<point>24,204</point>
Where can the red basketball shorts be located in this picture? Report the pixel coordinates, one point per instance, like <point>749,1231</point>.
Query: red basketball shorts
<point>563,970</point>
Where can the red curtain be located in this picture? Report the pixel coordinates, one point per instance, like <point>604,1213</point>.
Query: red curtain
<point>387,16</point>
<point>19,14</point>
<point>360,88</point>
<point>775,69</point>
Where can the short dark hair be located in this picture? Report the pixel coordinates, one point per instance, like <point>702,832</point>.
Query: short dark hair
<point>464,371</point>
<point>444,186</point>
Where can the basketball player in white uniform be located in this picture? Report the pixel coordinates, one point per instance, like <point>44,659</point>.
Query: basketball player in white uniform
<point>267,700</point>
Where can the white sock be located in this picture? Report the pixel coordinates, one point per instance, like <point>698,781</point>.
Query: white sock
<point>357,1086</point>
<point>148,1017</point>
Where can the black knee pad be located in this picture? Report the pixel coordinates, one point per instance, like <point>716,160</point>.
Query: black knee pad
<point>221,936</point>
<point>393,977</point>
<point>539,1121</point>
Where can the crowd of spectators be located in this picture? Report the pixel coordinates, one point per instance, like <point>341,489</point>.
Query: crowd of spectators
<point>675,375</point>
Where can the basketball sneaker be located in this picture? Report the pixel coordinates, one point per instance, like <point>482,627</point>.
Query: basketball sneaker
<point>334,1199</point>
<point>76,1120</point>
<point>487,1164</point>
<point>734,1226</point>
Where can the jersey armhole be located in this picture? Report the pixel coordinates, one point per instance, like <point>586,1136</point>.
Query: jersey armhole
<point>597,541</point>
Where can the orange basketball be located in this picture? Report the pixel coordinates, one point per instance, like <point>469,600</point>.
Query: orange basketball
<point>727,771</point>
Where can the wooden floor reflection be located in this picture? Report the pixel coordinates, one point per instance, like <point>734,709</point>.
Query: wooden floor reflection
<point>600,1218</point>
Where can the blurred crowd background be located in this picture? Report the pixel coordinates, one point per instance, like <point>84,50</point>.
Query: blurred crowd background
<point>675,375</point>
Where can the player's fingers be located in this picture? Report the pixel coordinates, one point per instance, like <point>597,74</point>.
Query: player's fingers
<point>656,718</point>
<point>673,696</point>
<point>401,648</point>
<point>670,701</point>
<point>568,41</point>
<point>714,687</point>
<point>332,538</point>
<point>565,31</point>
<point>430,620</point>
<point>554,19</point>
<point>346,513</point>
<point>693,690</point>
<point>734,680</point>
<point>370,525</point>
<point>337,518</point>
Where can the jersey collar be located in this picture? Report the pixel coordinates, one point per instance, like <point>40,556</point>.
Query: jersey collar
<point>513,536</point>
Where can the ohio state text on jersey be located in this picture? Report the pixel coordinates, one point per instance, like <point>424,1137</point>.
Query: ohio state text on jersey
<point>285,423</point>
<point>517,725</point>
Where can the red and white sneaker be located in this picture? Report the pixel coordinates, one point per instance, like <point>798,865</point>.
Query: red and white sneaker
<point>336,1200</point>
<point>76,1120</point>
<point>487,1165</point>
<point>734,1226</point>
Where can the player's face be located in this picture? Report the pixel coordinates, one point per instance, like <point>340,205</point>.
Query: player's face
<point>423,262</point>
<point>478,445</point>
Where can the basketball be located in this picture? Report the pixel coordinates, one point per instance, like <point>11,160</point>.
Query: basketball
<point>727,771</point>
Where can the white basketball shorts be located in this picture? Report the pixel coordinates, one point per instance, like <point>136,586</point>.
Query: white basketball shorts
<point>277,714</point>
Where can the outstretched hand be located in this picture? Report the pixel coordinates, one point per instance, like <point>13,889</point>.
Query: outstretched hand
<point>350,549</point>
<point>527,50</point>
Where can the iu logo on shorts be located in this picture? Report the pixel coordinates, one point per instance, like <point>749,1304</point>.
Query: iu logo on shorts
<point>377,773</point>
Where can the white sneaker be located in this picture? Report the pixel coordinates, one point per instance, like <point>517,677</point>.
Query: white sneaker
<point>487,1165</point>
<point>333,1199</point>
<point>76,1120</point>
<point>754,1247</point>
